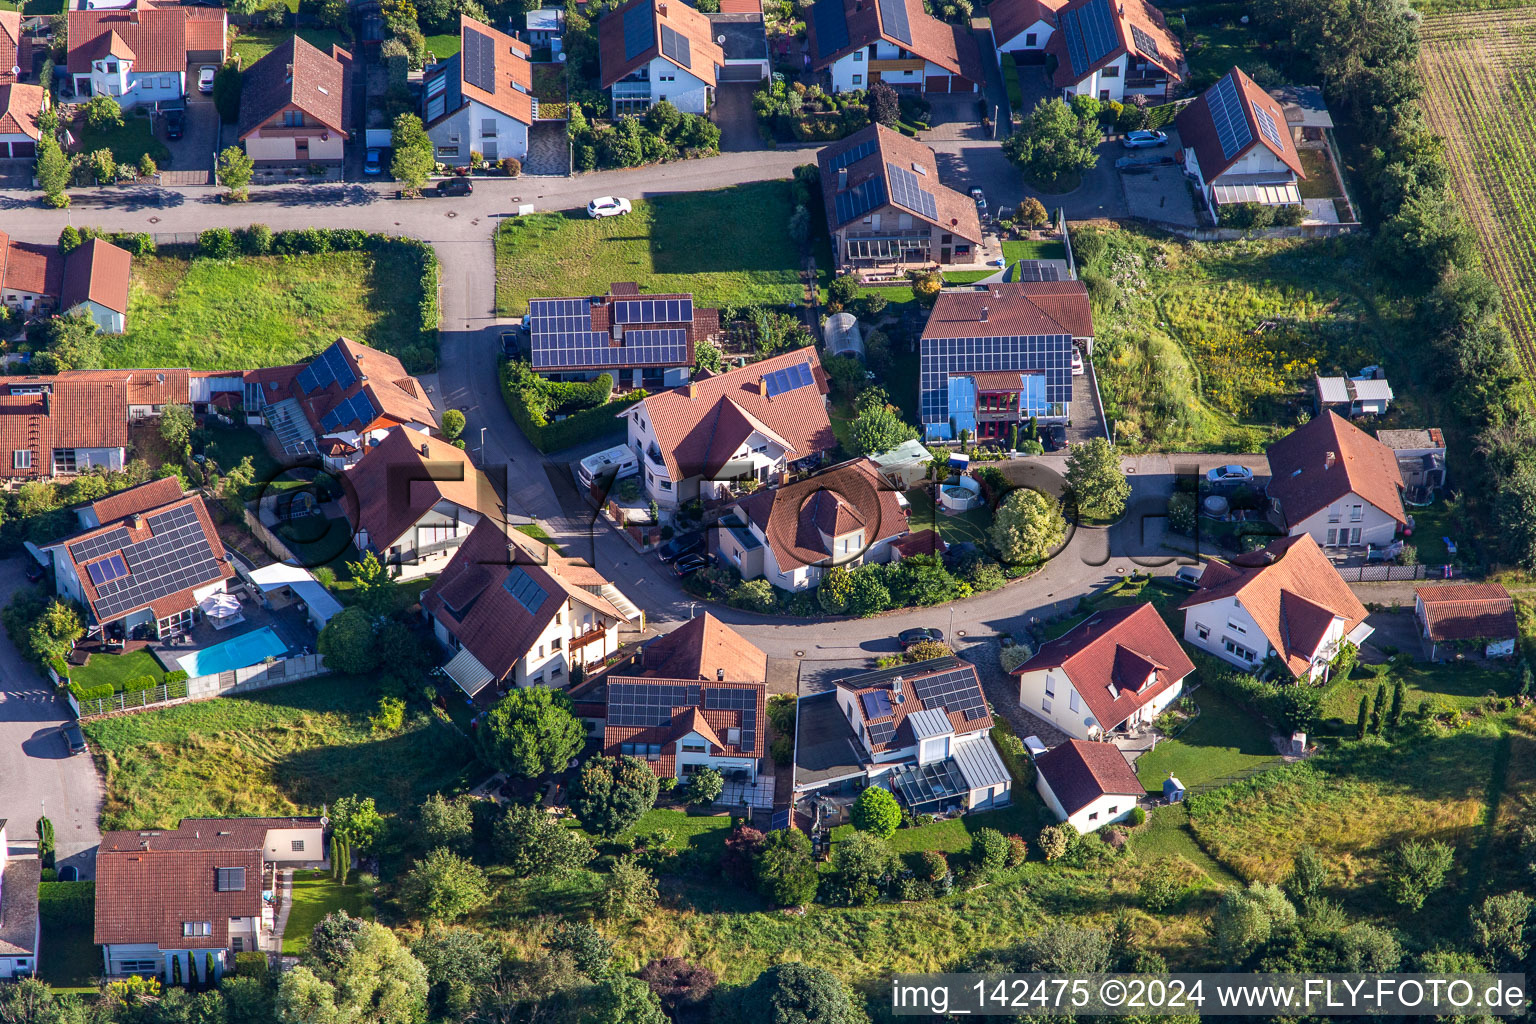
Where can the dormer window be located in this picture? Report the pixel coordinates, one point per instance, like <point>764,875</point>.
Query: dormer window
<point>111,67</point>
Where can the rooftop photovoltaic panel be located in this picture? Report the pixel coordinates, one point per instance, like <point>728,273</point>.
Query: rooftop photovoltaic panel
<point>852,156</point>
<point>648,704</point>
<point>730,698</point>
<point>893,18</point>
<point>479,60</point>
<point>953,691</point>
<point>523,587</point>
<point>797,375</point>
<point>560,334</point>
<point>639,30</point>
<point>329,367</point>
<point>177,556</point>
<point>675,47</point>
<point>748,731</point>
<point>1227,115</point>
<point>1036,270</point>
<point>358,409</point>
<point>876,704</point>
<point>881,732</point>
<point>1144,42</point>
<point>107,570</point>
<point>831,25</point>
<point>1267,127</point>
<point>95,547</point>
<point>1090,34</point>
<point>906,191</point>
<point>859,200</point>
<point>653,311</point>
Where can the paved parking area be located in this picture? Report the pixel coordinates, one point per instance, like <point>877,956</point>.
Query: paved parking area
<point>1157,192</point>
<point>736,118</point>
<point>549,149</point>
<point>193,152</point>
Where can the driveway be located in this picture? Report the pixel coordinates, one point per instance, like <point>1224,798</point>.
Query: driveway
<point>1157,191</point>
<point>193,152</point>
<point>39,775</point>
<point>736,118</point>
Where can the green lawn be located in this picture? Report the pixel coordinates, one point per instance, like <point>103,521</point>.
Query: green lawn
<point>444,46</point>
<point>282,751</point>
<point>265,310</point>
<point>690,831</point>
<point>316,894</point>
<point>253,44</point>
<point>1213,44</point>
<point>967,527</point>
<point>1016,249</point>
<point>537,532</point>
<point>1223,741</point>
<point>1022,817</point>
<point>1448,685</point>
<point>967,276</point>
<point>1167,835</point>
<point>69,957</point>
<point>321,541</point>
<point>129,141</point>
<point>727,247</point>
<point>116,669</point>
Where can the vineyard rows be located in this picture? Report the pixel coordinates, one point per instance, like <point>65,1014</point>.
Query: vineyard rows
<point>1480,72</point>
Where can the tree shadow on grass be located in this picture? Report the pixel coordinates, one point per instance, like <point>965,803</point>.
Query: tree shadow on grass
<point>398,771</point>
<point>740,229</point>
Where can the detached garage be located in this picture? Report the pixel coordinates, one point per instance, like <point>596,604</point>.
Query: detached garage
<point>1023,27</point>
<point>1088,785</point>
<point>19,107</point>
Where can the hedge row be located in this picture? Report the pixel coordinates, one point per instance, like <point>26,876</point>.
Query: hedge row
<point>578,428</point>
<point>67,901</point>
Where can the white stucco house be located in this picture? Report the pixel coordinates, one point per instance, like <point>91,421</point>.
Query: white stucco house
<point>20,105</point>
<point>654,50</point>
<point>295,105</point>
<point>139,52</point>
<point>1333,481</point>
<point>1115,672</point>
<point>1238,147</point>
<point>679,726</point>
<point>1087,785</point>
<point>860,42</point>
<point>480,100</point>
<point>1285,601</point>
<point>1115,50</point>
<point>1023,28</point>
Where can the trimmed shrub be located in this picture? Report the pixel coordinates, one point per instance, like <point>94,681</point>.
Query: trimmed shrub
<point>255,240</point>
<point>138,683</point>
<point>216,244</point>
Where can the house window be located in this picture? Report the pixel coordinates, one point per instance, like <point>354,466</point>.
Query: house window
<point>1237,627</point>
<point>448,151</point>
<point>167,82</point>
<point>1045,705</point>
<point>1029,39</point>
<point>1110,72</point>
<point>195,929</point>
<point>1333,539</point>
<point>231,880</point>
<point>858,56</point>
<point>1356,513</point>
<point>1072,701</point>
<point>666,485</point>
<point>488,127</point>
<point>64,460</point>
<point>236,944</point>
<point>111,67</point>
<point>297,845</point>
<point>858,79</point>
<point>556,642</point>
<point>695,748</point>
<point>21,458</point>
<point>1202,631</point>
<point>1354,535</point>
<point>1238,650</point>
<point>1104,95</point>
<point>293,119</point>
<point>1093,816</point>
<point>541,650</point>
<point>559,618</point>
<point>1115,809</point>
<point>1050,686</point>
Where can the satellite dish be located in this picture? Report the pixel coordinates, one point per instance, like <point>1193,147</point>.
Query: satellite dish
<point>720,39</point>
<point>15,70</point>
<point>560,57</point>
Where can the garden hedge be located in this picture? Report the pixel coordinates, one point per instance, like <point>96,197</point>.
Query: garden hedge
<point>67,901</point>
<point>577,428</point>
<point>84,693</point>
<point>138,683</point>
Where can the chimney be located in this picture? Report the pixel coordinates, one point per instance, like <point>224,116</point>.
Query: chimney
<point>138,521</point>
<point>1330,459</point>
<point>719,675</point>
<point>693,389</point>
<point>762,386</point>
<point>983,314</point>
<point>661,9</point>
<point>842,179</point>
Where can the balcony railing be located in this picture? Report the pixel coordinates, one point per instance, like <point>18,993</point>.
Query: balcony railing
<point>590,636</point>
<point>630,90</point>
<point>653,453</point>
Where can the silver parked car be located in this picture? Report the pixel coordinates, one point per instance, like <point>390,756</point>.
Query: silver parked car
<point>1143,139</point>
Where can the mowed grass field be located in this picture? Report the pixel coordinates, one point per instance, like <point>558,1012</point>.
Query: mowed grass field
<point>263,310</point>
<point>1480,75</point>
<point>727,247</point>
<point>282,751</point>
<point>253,44</point>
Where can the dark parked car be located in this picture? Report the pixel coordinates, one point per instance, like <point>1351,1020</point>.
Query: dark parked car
<point>175,123</point>
<point>455,187</point>
<point>682,544</point>
<point>74,737</point>
<point>1054,437</point>
<point>919,634</point>
<point>34,571</point>
<point>69,873</point>
<point>690,564</point>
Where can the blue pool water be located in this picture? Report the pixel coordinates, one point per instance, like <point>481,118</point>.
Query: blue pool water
<point>245,649</point>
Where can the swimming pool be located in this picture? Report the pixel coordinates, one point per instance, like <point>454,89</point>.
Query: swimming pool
<point>245,649</point>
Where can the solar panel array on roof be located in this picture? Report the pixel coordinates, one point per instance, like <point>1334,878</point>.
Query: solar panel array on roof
<point>176,556</point>
<point>1267,126</point>
<point>639,30</point>
<point>329,367</point>
<point>107,570</point>
<point>855,202</point>
<point>955,690</point>
<point>796,375</point>
<point>729,698</point>
<point>1144,41</point>
<point>1090,34</point>
<point>906,191</point>
<point>880,732</point>
<point>780,820</point>
<point>675,46</point>
<point>357,409</point>
<point>653,311</point>
<point>831,25</point>
<point>1036,270</point>
<point>877,704</point>
<point>849,157</point>
<point>560,334</point>
<point>648,704</point>
<point>525,589</point>
<point>479,60</point>
<point>1227,115</point>
<point>893,18</point>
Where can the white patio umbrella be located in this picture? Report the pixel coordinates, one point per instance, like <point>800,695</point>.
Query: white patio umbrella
<point>220,606</point>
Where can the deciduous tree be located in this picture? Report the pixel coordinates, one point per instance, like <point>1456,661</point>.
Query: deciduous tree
<point>1055,143</point>
<point>612,793</point>
<point>413,160</point>
<point>443,886</point>
<point>532,731</point>
<point>875,811</point>
<point>1098,483</point>
<point>1027,526</point>
<point>529,842</point>
<point>235,170</point>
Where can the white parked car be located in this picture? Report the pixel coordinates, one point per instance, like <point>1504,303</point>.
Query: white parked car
<point>1230,475</point>
<point>607,206</point>
<point>1077,362</point>
<point>205,77</point>
<point>1142,139</point>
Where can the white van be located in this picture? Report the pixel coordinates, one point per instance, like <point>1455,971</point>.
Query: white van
<point>620,461</point>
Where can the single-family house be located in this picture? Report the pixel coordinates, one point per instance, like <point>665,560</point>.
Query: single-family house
<point>1237,146</point>
<point>412,500</point>
<point>137,51</point>
<point>480,100</point>
<point>545,27</point>
<point>1352,396</point>
<point>861,42</point>
<point>1332,480</point>
<point>991,359</point>
<point>78,421</point>
<point>144,570</point>
<point>1420,457</point>
<point>921,731</point>
<point>20,927</point>
<point>678,726</point>
<point>11,47</point>
<point>758,421</point>
<point>92,279</point>
<point>704,648</point>
<point>295,105</point>
<point>886,208</point>
<point>1476,617</point>
<point>1115,50</point>
<point>20,105</point>
<point>1112,673</point>
<point>1087,785</point>
<point>339,402</point>
<point>654,50</point>
<point>1285,601</point>
<point>31,275</point>
<point>790,534</point>
<point>177,903</point>
<point>642,341</point>
<point>1024,28</point>
<point>515,613</point>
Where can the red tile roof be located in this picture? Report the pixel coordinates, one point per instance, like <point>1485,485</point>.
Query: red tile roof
<point>1291,591</point>
<point>97,271</point>
<point>710,723</point>
<point>512,74</point>
<point>1167,53</point>
<point>19,106</point>
<point>885,681</point>
<point>1016,308</point>
<point>137,499</point>
<point>10,41</point>
<point>299,75</point>
<point>1197,129</point>
<point>398,397</point>
<point>705,53</point>
<point>1318,464</point>
<point>703,648</point>
<point>954,212</point>
<point>207,29</point>
<point>1468,611</point>
<point>951,47</point>
<point>800,520</point>
<point>1079,772</point>
<point>699,426</point>
<point>1109,658</point>
<point>403,477</point>
<point>26,267</point>
<point>1010,17</point>
<point>156,37</point>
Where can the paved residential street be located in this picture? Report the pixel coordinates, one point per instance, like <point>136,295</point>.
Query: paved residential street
<point>37,773</point>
